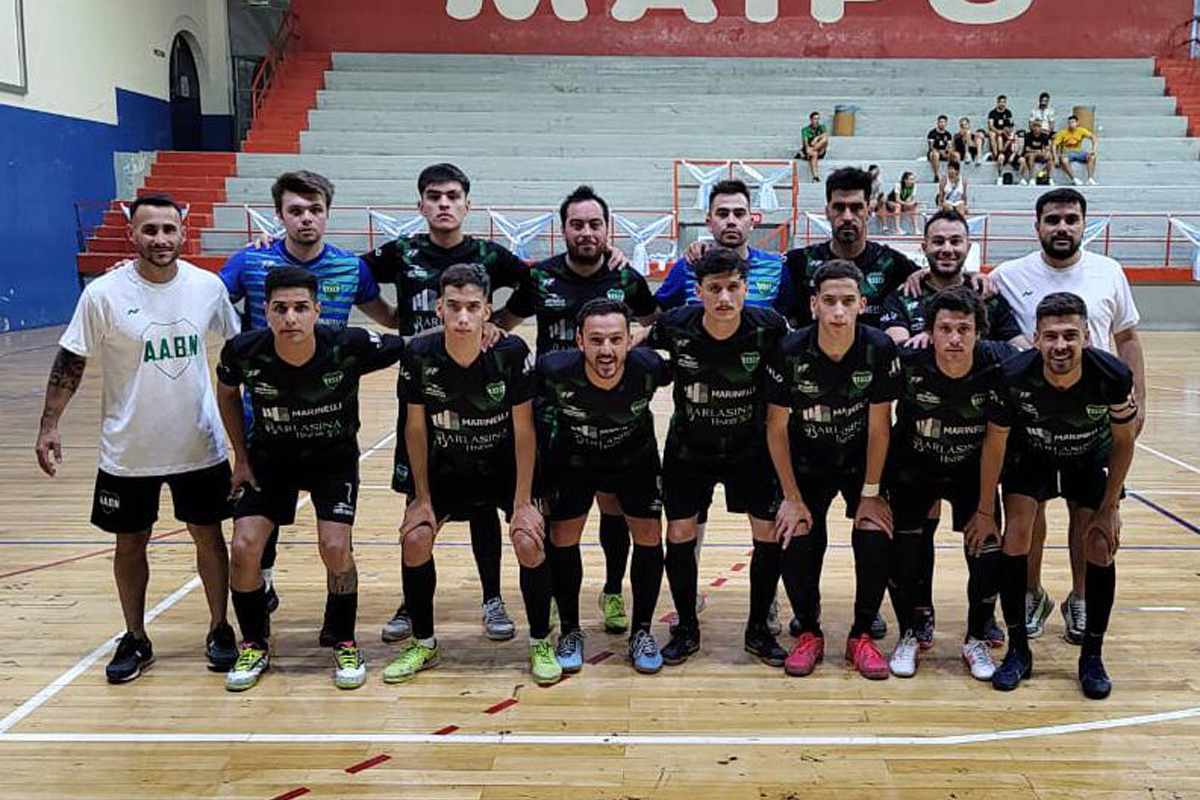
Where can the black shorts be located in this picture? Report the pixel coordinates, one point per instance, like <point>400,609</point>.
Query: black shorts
<point>456,497</point>
<point>818,491</point>
<point>910,501</point>
<point>332,484</point>
<point>130,504</point>
<point>1079,480</point>
<point>962,148</point>
<point>402,481</point>
<point>568,491</point>
<point>750,485</point>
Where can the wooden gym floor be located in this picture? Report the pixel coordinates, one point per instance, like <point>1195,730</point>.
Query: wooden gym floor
<point>722,726</point>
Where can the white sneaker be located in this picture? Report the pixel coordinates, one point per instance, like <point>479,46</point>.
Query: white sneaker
<point>1077,182</point>
<point>1024,182</point>
<point>978,656</point>
<point>904,658</point>
<point>1091,181</point>
<point>1051,182</point>
<point>350,669</point>
<point>999,181</point>
<point>497,625</point>
<point>251,664</point>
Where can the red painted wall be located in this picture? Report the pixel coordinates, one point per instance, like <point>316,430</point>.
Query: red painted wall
<point>866,28</point>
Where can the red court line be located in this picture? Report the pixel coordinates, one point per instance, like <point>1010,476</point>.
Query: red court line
<point>446,731</point>
<point>603,655</point>
<point>92,554</point>
<point>738,567</point>
<point>293,793</point>
<point>503,704</point>
<point>370,762</point>
<point>718,582</point>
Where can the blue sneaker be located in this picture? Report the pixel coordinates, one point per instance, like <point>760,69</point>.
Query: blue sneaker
<point>643,652</point>
<point>570,651</point>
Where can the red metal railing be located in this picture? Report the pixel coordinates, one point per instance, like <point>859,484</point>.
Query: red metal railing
<point>265,74</point>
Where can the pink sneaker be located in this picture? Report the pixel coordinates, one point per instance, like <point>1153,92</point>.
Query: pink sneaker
<point>866,658</point>
<point>808,652</point>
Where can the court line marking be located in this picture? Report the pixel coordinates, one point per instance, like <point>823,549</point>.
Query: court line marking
<point>1172,459</point>
<point>1168,514</point>
<point>93,554</point>
<point>1174,389</point>
<point>62,681</point>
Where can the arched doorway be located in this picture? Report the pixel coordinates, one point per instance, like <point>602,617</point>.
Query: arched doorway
<point>186,132</point>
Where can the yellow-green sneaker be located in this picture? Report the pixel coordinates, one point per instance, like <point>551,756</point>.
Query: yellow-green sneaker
<point>612,606</point>
<point>253,660</point>
<point>543,663</point>
<point>415,658</point>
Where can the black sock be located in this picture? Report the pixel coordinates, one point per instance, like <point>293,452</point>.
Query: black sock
<point>1101,590</point>
<point>682,575</point>
<point>765,566</point>
<point>341,610</point>
<point>983,582</point>
<point>924,595</point>
<point>871,560</point>
<point>269,552</point>
<point>486,545</point>
<point>420,583</point>
<point>1013,585</point>
<point>568,580</point>
<point>795,565</point>
<point>614,541</point>
<point>819,538</point>
<point>537,586</point>
<point>907,567</point>
<point>251,610</point>
<point>645,574</point>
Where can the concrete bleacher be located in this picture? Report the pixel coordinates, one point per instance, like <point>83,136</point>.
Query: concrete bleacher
<point>528,129</point>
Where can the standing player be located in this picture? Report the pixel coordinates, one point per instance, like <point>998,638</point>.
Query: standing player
<point>146,320</point>
<point>829,390</point>
<point>302,201</point>
<point>1074,418</point>
<point>471,446</point>
<point>717,353</point>
<point>601,438</point>
<point>304,381</point>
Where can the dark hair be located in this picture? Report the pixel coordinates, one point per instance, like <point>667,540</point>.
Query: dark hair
<point>443,173</point>
<point>948,215</point>
<point>720,261</point>
<point>943,117</point>
<point>960,299</point>
<point>1061,304</point>
<point>1065,196</point>
<point>836,269</point>
<point>873,166</point>
<point>1000,97</point>
<point>157,200</point>
<point>582,194</point>
<point>1073,117</point>
<point>730,186</point>
<point>1045,95</point>
<point>460,276</point>
<point>814,114</point>
<point>848,179</point>
<point>301,182</point>
<point>602,307</point>
<point>289,277</point>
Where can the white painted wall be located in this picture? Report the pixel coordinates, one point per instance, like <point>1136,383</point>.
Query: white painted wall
<point>79,51</point>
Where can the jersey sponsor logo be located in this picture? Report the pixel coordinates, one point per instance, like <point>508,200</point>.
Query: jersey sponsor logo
<point>808,387</point>
<point>108,501</point>
<point>555,301</point>
<point>686,361</point>
<point>977,400</point>
<point>750,360</point>
<point>638,406</point>
<point>616,294</point>
<point>496,390</point>
<point>434,391</point>
<point>447,420</point>
<point>417,273</point>
<point>817,414</point>
<point>1096,412</point>
<point>265,390</point>
<point>170,347</point>
<point>331,288</point>
<point>764,287</point>
<point>861,379</point>
<point>929,428</point>
<point>332,379</point>
<point>696,392</point>
<point>277,414</point>
<point>928,397</point>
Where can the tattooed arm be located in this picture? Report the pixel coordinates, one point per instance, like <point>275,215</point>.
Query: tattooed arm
<point>65,376</point>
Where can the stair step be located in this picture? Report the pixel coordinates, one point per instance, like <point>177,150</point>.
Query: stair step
<point>194,170</point>
<point>98,244</point>
<point>179,184</point>
<point>191,195</point>
<point>99,263</point>
<point>250,147</point>
<point>195,157</point>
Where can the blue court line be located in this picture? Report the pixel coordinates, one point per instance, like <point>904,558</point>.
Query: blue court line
<point>1164,512</point>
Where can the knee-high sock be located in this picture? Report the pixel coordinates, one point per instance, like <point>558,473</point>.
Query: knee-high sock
<point>251,610</point>
<point>924,596</point>
<point>816,553</point>
<point>799,579</point>
<point>871,561</point>
<point>537,585</point>
<point>907,570</point>
<point>270,551</point>
<point>982,584</point>
<point>646,574</point>
<point>568,580</point>
<point>765,566</point>
<point>1013,583</point>
<point>1101,592</point>
<point>614,541</point>
<point>486,547</point>
<point>682,576</point>
<point>420,583</point>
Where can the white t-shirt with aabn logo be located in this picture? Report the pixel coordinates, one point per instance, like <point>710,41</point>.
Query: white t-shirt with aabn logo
<point>159,414</point>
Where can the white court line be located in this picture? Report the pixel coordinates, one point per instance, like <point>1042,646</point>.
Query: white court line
<point>1172,459</point>
<point>62,681</point>
<point>670,740</point>
<point>1170,492</point>
<point>1173,389</point>
<point>1162,608</point>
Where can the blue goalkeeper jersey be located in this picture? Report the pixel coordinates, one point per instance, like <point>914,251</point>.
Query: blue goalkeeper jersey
<point>765,284</point>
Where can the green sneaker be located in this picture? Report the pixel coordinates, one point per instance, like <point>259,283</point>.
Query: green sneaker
<point>350,669</point>
<point>415,658</point>
<point>1037,608</point>
<point>253,660</point>
<point>613,608</point>
<point>543,663</point>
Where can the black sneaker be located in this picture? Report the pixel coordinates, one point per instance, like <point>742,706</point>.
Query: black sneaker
<point>685,641</point>
<point>272,599</point>
<point>1093,678</point>
<point>221,648</point>
<point>133,655</point>
<point>878,627</point>
<point>760,643</point>
<point>1017,666</point>
<point>924,628</point>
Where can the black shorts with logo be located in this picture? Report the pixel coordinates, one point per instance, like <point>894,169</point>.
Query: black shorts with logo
<point>332,484</point>
<point>568,491</point>
<point>123,504</point>
<point>456,497</point>
<point>818,491</point>
<point>911,500</point>
<point>750,484</point>
<point>1079,480</point>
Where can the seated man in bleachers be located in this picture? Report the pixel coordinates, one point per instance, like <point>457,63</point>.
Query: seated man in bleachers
<point>1068,150</point>
<point>1038,150</point>
<point>814,142</point>
<point>1043,112</point>
<point>999,118</point>
<point>968,144</point>
<point>1007,152</point>
<point>939,146</point>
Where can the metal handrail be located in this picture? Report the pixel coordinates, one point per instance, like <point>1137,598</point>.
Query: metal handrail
<point>264,76</point>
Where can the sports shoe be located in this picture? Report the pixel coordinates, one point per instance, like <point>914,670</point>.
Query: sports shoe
<point>807,653</point>
<point>773,619</point>
<point>863,653</point>
<point>701,602</point>
<point>1016,667</point>
<point>268,579</point>
<point>1024,182</point>
<point>497,625</point>
<point>1091,181</point>
<point>999,181</point>
<point>644,653</point>
<point>220,648</point>
<point>542,663</point>
<point>569,651</point>
<point>350,670</point>
<point>993,633</point>
<point>253,660</point>
<point>925,624</point>
<point>413,659</point>
<point>878,627</point>
<point>1037,608</point>
<point>1093,678</point>
<point>1074,612</point>
<point>398,628</point>
<point>1050,182</point>
<point>905,656</point>
<point>685,641</point>
<point>761,643</point>
<point>1076,181</point>
<point>133,655</point>
<point>978,655</point>
<point>613,608</point>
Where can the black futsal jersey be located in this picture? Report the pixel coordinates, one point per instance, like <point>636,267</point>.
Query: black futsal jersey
<point>902,311</point>
<point>884,270</point>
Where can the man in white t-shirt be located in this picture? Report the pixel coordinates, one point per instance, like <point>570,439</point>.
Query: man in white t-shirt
<point>1061,265</point>
<point>146,320</point>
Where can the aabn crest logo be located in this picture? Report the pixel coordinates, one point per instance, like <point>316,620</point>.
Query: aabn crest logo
<point>171,346</point>
<point>966,12</point>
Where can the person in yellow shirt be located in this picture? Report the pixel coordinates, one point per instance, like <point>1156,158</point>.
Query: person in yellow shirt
<point>1068,149</point>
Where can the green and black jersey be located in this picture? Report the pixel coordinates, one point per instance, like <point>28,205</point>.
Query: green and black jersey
<point>884,270</point>
<point>902,311</point>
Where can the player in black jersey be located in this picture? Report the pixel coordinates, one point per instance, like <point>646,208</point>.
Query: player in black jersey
<point>600,437</point>
<point>471,444</point>
<point>718,351</point>
<point>554,291</point>
<point>950,424</point>
<point>304,381</point>
<point>829,390</point>
<point>1074,418</point>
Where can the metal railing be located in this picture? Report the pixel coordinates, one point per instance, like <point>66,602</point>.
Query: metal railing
<point>264,76</point>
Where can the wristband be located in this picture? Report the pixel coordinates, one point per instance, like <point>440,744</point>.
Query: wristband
<point>869,490</point>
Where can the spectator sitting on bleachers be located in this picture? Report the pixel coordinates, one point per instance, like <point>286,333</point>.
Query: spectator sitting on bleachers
<point>1043,113</point>
<point>1037,151</point>
<point>902,202</point>
<point>814,141</point>
<point>967,142</point>
<point>1068,149</point>
<point>952,192</point>
<point>999,118</point>
<point>939,146</point>
<point>877,201</point>
<point>1007,151</point>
